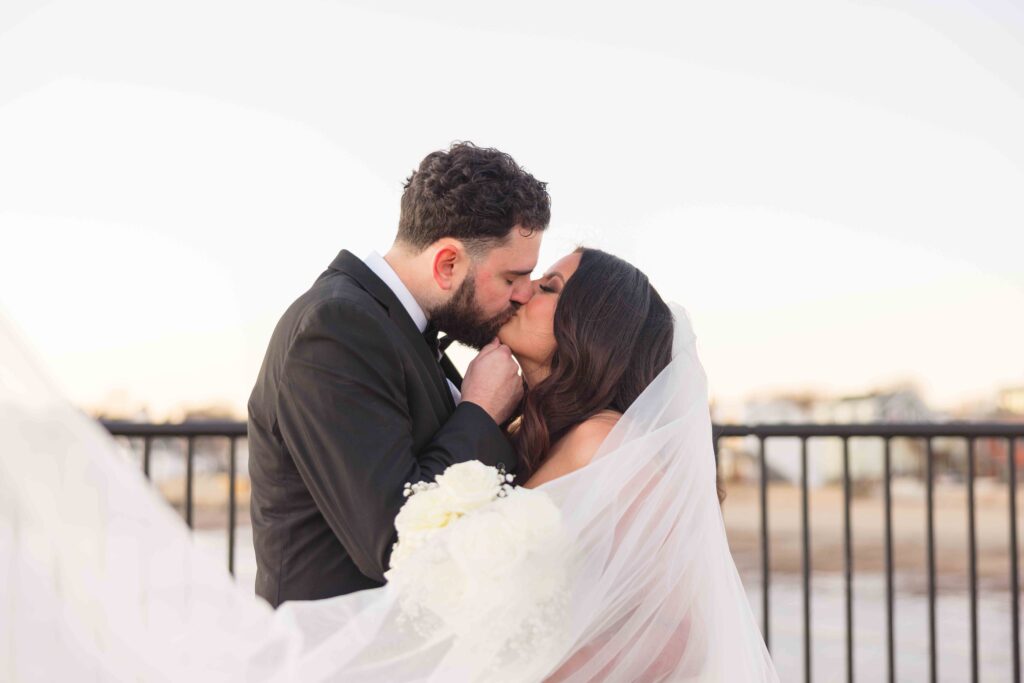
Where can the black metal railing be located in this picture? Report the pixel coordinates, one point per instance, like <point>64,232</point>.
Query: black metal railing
<point>190,431</point>
<point>970,432</point>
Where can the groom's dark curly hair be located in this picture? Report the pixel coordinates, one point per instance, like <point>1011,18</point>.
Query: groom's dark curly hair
<point>474,194</point>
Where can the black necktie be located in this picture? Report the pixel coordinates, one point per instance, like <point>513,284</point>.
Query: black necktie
<point>430,336</point>
<point>439,346</point>
<point>444,365</point>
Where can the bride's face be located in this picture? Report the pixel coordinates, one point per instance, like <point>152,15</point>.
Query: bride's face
<point>531,332</point>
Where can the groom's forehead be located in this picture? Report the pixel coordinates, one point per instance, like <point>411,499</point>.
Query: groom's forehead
<point>518,255</point>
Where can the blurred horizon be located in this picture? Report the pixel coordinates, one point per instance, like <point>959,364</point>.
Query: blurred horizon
<point>832,189</point>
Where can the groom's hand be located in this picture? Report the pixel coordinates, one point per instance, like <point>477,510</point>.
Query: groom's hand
<point>492,381</point>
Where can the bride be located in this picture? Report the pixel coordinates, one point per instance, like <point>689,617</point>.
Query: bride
<point>587,353</point>
<point>631,579</point>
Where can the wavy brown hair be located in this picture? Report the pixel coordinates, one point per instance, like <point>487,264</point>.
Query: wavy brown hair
<point>613,334</point>
<point>474,194</point>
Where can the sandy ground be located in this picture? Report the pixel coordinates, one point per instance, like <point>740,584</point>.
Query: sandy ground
<point>742,513</point>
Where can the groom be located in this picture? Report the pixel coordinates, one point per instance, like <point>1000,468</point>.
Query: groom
<point>355,398</point>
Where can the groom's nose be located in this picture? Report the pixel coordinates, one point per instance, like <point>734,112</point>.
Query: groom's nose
<point>522,292</point>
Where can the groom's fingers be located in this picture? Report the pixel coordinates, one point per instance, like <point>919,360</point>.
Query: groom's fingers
<point>500,348</point>
<point>491,345</point>
<point>493,382</point>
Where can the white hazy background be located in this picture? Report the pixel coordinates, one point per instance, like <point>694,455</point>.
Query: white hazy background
<point>835,190</point>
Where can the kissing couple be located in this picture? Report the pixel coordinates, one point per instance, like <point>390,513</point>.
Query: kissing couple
<point>551,516</point>
<point>586,387</point>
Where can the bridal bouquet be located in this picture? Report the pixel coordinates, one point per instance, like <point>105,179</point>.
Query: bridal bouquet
<point>460,490</point>
<point>482,560</point>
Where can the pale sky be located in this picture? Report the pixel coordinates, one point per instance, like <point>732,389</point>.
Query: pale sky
<point>834,190</point>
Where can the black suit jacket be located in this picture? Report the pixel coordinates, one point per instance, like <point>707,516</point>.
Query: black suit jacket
<point>350,404</point>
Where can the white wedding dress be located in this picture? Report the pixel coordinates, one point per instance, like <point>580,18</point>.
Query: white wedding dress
<point>99,579</point>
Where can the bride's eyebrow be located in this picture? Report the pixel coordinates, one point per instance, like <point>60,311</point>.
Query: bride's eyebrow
<point>548,276</point>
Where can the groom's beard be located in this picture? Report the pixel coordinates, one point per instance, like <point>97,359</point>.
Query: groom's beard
<point>462,320</point>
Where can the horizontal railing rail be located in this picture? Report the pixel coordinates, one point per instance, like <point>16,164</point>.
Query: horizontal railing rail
<point>879,429</point>
<point>970,432</point>
<point>226,428</point>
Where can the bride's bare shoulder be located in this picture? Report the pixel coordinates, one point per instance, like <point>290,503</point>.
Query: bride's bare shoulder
<point>577,448</point>
<point>585,438</point>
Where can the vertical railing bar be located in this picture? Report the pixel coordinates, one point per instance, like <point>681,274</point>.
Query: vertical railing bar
<point>848,559</point>
<point>147,447</point>
<point>231,506</point>
<point>765,568</point>
<point>972,558</point>
<point>806,541</point>
<point>1011,462</point>
<point>933,670</point>
<point>890,619</point>
<point>188,481</point>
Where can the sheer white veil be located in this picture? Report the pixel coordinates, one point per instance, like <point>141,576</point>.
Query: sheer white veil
<point>99,579</point>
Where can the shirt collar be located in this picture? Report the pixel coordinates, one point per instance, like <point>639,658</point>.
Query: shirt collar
<point>387,274</point>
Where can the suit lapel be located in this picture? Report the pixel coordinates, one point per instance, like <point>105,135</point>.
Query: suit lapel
<point>353,266</point>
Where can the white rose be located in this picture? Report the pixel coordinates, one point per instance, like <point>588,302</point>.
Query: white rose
<point>426,510</point>
<point>484,546</point>
<point>470,485</point>
<point>496,575</point>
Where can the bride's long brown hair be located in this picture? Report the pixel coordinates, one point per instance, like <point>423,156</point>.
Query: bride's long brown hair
<point>614,335</point>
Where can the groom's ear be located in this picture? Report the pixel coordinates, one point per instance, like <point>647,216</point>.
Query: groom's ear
<point>448,263</point>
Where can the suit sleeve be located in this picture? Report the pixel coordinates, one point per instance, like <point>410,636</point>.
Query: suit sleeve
<point>343,416</point>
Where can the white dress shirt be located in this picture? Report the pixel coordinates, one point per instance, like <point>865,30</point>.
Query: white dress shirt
<point>385,272</point>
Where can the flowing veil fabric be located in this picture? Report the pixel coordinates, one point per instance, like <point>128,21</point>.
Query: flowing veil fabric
<point>99,579</point>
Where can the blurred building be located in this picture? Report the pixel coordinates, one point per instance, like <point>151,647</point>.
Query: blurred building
<point>867,455</point>
<point>825,455</point>
<point>119,404</point>
<point>1011,401</point>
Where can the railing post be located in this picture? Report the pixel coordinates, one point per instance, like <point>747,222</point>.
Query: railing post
<point>972,557</point>
<point>765,565</point>
<point>231,506</point>
<point>805,524</point>
<point>147,445</point>
<point>889,592</point>
<point>933,671</point>
<point>188,481</point>
<point>848,559</point>
<point>1014,579</point>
